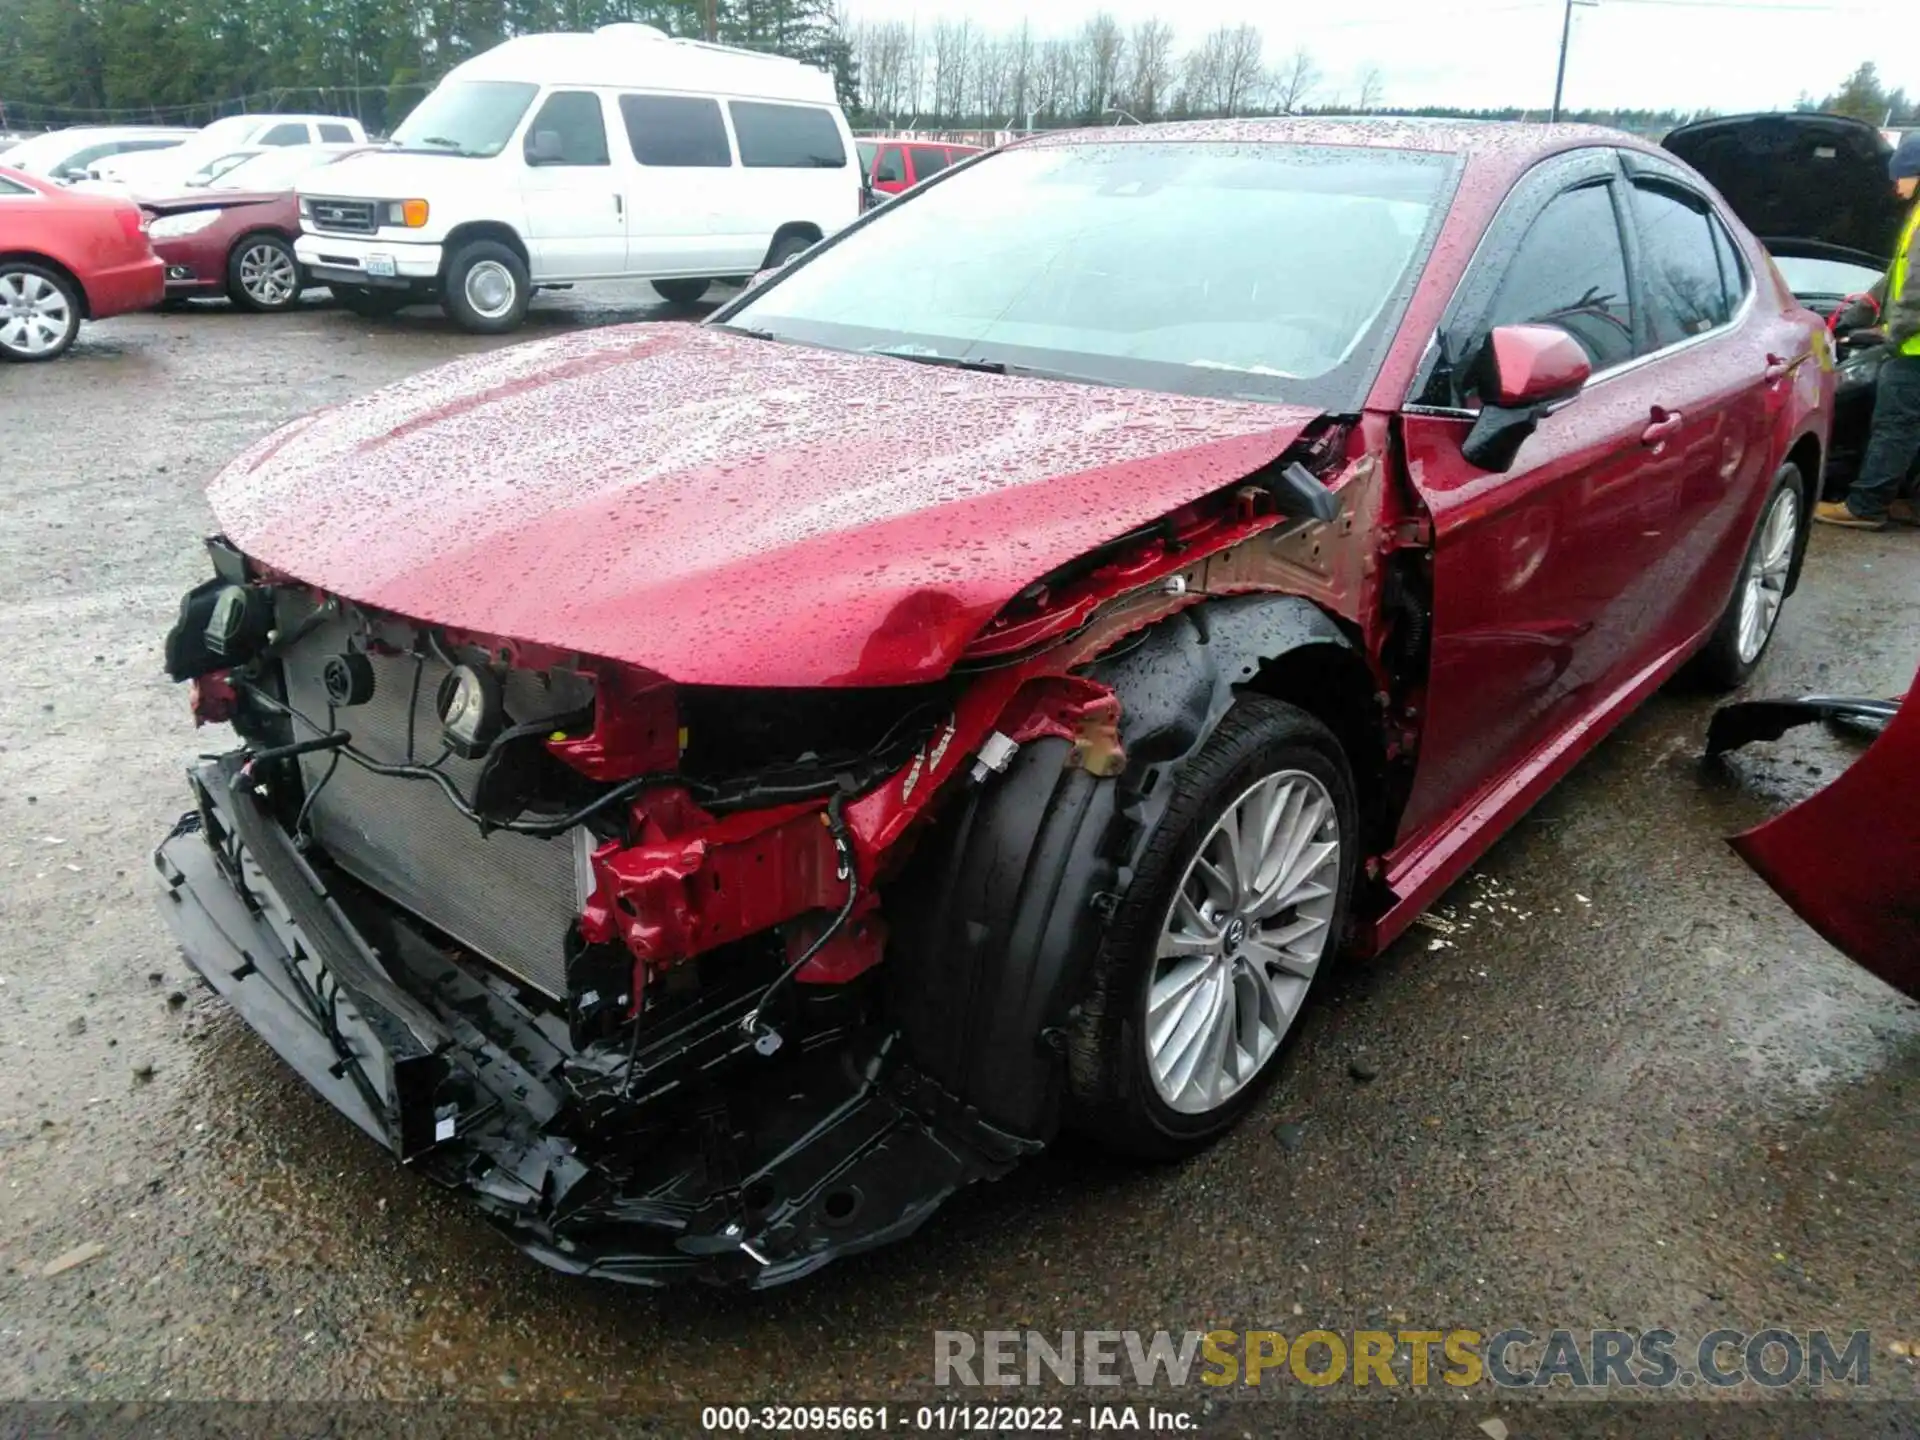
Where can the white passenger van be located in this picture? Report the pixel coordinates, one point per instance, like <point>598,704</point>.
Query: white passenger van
<point>556,159</point>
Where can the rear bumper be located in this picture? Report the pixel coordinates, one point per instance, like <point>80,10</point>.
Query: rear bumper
<point>121,289</point>
<point>340,259</point>
<point>593,1162</point>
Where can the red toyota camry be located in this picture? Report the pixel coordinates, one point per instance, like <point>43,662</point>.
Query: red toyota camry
<point>709,792</point>
<point>65,258</point>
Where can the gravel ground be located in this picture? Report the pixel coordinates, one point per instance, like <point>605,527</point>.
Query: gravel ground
<point>1628,1088</point>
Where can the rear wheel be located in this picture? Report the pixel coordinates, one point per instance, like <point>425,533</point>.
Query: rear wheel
<point>368,303</point>
<point>788,247</point>
<point>262,274</point>
<point>486,288</point>
<point>681,292</point>
<point>1239,898</point>
<point>1746,629</point>
<point>39,312</point>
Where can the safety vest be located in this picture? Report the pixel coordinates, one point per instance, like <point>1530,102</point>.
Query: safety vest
<point>1897,277</point>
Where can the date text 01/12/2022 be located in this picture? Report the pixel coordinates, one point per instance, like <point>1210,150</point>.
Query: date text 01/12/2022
<point>938,1419</point>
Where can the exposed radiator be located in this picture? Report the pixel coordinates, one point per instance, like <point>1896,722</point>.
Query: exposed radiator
<point>507,897</point>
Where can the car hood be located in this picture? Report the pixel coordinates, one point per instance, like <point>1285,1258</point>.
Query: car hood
<point>175,201</point>
<point>1819,179</point>
<point>725,510</point>
<point>391,175</point>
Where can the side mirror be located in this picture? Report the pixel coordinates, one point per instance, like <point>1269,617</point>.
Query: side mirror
<point>1523,371</point>
<point>544,148</point>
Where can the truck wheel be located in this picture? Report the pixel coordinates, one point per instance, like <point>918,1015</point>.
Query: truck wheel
<point>39,312</point>
<point>1239,898</point>
<point>1747,627</point>
<point>486,289</point>
<point>368,303</point>
<point>262,274</point>
<point>787,247</point>
<point>681,292</point>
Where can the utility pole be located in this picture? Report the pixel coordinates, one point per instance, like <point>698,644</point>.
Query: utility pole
<point>1566,39</point>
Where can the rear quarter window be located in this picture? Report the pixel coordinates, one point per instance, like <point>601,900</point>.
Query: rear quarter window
<point>786,137</point>
<point>335,135</point>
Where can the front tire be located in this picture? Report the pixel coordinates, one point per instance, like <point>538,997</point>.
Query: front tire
<point>262,274</point>
<point>486,289</point>
<point>1239,900</point>
<point>39,312</point>
<point>1752,615</point>
<point>681,292</point>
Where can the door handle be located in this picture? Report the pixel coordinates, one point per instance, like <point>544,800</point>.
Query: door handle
<point>1666,423</point>
<point>1778,368</point>
<point>620,206</point>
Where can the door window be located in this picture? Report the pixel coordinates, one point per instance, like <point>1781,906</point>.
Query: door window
<point>1733,269</point>
<point>335,135</point>
<point>568,130</point>
<point>786,137</point>
<point>892,169</point>
<point>675,130</point>
<point>1685,293</point>
<point>288,132</point>
<point>1571,272</point>
<point>928,160</point>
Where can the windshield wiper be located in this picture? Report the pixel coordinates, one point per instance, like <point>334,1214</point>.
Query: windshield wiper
<point>745,330</point>
<point>947,362</point>
<point>441,140</point>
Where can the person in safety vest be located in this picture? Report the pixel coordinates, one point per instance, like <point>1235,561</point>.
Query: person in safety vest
<point>1895,443</point>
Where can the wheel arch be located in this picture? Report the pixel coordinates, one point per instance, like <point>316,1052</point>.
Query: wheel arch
<point>999,915</point>
<point>468,231</point>
<point>1808,454</point>
<point>805,229</point>
<point>47,262</point>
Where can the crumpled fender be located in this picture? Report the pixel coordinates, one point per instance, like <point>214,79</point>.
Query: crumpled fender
<point>1005,904</point>
<point>1847,859</point>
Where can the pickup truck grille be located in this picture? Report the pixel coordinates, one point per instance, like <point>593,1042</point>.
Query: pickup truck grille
<point>342,217</point>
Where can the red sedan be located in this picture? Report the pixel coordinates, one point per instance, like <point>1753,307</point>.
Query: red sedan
<point>65,258</point>
<point>234,236</point>
<point>710,792</point>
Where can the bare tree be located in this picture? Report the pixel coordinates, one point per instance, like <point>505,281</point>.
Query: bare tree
<point>1373,87</point>
<point>887,58</point>
<point>1294,80</point>
<point>1103,48</point>
<point>1020,78</point>
<point>952,51</point>
<point>1060,78</point>
<point>1149,69</point>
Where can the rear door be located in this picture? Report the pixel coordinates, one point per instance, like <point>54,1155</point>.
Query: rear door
<point>1707,360</point>
<point>928,161</point>
<point>1539,573</point>
<point>684,191</point>
<point>575,198</point>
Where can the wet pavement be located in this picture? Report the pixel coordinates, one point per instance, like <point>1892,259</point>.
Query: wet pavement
<point>1618,1083</point>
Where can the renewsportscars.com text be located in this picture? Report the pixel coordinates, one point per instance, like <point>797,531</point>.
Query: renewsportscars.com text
<point>1511,1358</point>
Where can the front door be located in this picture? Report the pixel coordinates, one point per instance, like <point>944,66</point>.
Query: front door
<point>1536,570</point>
<point>575,198</point>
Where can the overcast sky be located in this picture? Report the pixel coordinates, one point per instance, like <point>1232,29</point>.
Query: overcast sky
<point>1726,55</point>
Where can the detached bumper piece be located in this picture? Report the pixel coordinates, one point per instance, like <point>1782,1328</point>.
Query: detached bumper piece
<point>674,1153</point>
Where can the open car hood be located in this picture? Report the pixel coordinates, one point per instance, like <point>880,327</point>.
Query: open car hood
<point>1800,179</point>
<point>725,510</point>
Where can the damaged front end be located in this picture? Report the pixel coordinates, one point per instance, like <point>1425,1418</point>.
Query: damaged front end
<point>605,951</point>
<point>532,922</point>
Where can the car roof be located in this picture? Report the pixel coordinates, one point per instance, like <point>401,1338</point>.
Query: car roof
<point>639,57</point>
<point>1502,138</point>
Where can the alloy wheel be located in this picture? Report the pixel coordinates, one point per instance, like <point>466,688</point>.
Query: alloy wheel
<point>1765,587</point>
<point>35,314</point>
<point>1242,941</point>
<point>268,275</point>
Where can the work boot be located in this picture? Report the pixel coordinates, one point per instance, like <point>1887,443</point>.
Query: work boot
<point>1835,512</point>
<point>1904,512</point>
